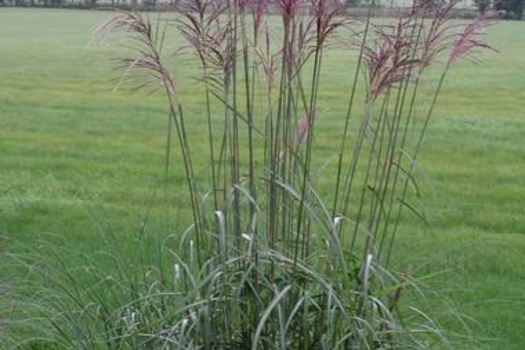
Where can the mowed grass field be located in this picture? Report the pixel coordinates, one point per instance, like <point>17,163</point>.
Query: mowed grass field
<point>79,160</point>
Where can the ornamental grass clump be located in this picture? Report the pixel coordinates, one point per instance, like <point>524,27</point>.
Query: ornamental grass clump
<point>270,258</point>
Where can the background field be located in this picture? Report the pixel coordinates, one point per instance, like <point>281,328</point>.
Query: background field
<point>79,160</point>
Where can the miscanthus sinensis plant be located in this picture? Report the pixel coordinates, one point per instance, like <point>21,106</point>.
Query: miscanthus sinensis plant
<point>271,259</point>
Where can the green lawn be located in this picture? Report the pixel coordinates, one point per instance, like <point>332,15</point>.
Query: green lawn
<point>78,159</point>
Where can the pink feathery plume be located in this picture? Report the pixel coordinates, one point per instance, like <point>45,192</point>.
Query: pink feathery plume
<point>328,17</point>
<point>129,22</point>
<point>389,61</point>
<point>439,36</point>
<point>147,42</point>
<point>469,40</point>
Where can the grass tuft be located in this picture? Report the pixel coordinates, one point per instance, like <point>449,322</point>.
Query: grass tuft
<point>271,259</point>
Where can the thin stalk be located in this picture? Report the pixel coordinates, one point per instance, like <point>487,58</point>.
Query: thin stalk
<point>309,143</point>
<point>249,109</point>
<point>364,189</point>
<point>398,114</point>
<point>269,151</point>
<point>234,146</point>
<point>211,143</point>
<point>398,165</point>
<point>348,115</point>
<point>286,140</point>
<point>190,176</point>
<point>277,148</point>
<point>355,159</point>
<point>412,164</point>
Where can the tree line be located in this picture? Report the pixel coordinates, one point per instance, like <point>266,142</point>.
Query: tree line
<point>85,3</point>
<point>506,9</point>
